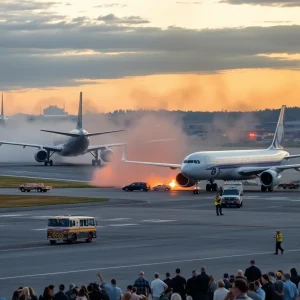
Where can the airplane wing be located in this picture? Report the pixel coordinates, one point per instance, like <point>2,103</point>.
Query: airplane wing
<point>24,145</point>
<point>292,156</point>
<point>105,146</point>
<point>102,147</point>
<point>167,165</point>
<point>247,171</point>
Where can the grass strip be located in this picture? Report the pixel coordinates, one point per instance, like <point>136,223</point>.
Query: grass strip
<point>15,182</point>
<point>8,201</point>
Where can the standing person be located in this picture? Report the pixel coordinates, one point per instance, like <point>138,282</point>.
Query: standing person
<point>267,286</point>
<point>252,273</point>
<point>226,281</point>
<point>142,285</point>
<point>295,277</point>
<point>202,285</point>
<point>61,294</point>
<point>114,292</point>
<point>212,287</point>
<point>259,290</point>
<point>278,290</point>
<point>191,285</point>
<point>179,284</point>
<point>279,238</point>
<point>252,292</point>
<point>168,282</point>
<point>239,290</point>
<point>290,289</point>
<point>221,291</point>
<point>218,205</point>
<point>158,287</point>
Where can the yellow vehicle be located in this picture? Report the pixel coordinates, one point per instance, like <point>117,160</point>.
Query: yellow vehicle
<point>71,229</point>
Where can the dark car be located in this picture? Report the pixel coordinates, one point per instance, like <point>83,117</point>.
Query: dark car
<point>137,186</point>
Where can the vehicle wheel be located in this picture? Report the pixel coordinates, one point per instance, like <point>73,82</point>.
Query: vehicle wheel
<point>167,189</point>
<point>45,163</point>
<point>126,190</point>
<point>73,238</point>
<point>155,189</point>
<point>263,188</point>
<point>284,187</point>
<point>214,187</point>
<point>22,190</point>
<point>39,190</point>
<point>208,187</point>
<point>270,189</point>
<point>52,242</point>
<point>44,191</point>
<point>142,190</point>
<point>90,238</point>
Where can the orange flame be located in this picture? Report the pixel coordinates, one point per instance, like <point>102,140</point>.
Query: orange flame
<point>172,184</point>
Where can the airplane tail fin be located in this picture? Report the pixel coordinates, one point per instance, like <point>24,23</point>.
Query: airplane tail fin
<point>79,119</point>
<point>2,107</point>
<point>279,133</point>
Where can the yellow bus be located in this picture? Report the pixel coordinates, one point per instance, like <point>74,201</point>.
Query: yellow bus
<point>71,229</point>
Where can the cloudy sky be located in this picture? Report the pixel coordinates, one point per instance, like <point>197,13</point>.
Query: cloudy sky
<point>129,54</point>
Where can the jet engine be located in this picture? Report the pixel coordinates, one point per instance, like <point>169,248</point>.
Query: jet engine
<point>40,156</point>
<point>106,155</point>
<point>184,181</point>
<point>270,178</point>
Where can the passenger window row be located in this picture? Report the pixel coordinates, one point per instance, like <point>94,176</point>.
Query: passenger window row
<point>192,162</point>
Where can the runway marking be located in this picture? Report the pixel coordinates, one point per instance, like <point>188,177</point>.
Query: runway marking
<point>40,229</point>
<point>121,225</point>
<point>15,215</point>
<point>274,206</point>
<point>115,219</point>
<point>46,178</point>
<point>142,265</point>
<point>158,221</point>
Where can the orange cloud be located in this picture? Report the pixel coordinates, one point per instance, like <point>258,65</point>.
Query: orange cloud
<point>244,90</point>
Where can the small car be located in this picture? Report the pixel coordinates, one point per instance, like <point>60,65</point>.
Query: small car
<point>137,186</point>
<point>162,187</point>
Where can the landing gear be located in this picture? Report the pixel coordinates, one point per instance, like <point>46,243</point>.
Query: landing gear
<point>96,161</point>
<point>211,186</point>
<point>196,190</point>
<point>49,161</point>
<point>263,188</point>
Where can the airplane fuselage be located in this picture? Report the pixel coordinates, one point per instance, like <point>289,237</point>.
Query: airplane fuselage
<point>75,146</point>
<point>225,165</point>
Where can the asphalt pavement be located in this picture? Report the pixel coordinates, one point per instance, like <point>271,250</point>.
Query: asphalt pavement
<point>153,232</point>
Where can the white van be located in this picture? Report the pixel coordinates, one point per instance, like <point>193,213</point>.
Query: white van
<point>232,193</point>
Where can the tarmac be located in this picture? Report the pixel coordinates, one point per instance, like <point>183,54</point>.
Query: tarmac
<point>153,232</point>
<point>150,232</point>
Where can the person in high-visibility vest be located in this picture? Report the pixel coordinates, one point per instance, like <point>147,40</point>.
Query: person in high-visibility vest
<point>279,238</point>
<point>218,205</point>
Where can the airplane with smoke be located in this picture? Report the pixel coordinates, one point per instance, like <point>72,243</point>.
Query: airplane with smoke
<point>3,119</point>
<point>77,144</point>
<point>265,164</point>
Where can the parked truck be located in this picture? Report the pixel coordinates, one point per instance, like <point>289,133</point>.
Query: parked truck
<point>232,192</point>
<point>39,187</point>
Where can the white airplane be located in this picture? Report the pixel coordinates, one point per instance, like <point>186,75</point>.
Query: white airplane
<point>265,164</point>
<point>78,144</point>
<point>3,119</point>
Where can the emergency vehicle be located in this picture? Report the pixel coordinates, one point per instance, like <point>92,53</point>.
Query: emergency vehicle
<point>71,229</point>
<point>232,192</point>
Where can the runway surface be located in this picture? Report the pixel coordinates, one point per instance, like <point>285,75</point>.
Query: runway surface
<point>154,231</point>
